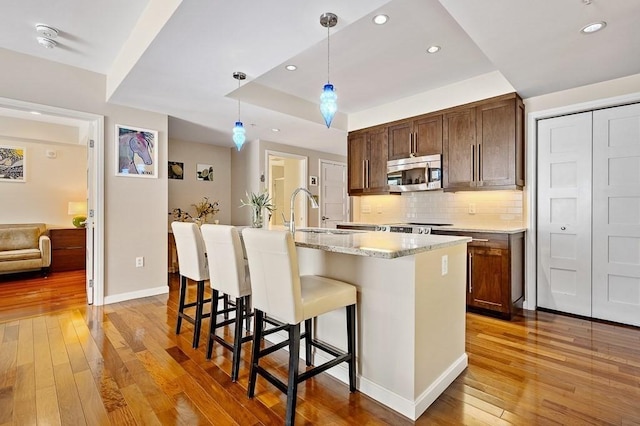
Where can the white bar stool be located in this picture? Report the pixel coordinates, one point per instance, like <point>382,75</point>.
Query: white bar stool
<point>279,291</point>
<point>229,277</point>
<point>192,258</point>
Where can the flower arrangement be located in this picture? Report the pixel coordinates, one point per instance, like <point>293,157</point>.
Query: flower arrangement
<point>258,203</point>
<point>204,209</point>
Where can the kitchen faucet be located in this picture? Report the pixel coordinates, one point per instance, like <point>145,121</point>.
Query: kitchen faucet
<point>292,219</point>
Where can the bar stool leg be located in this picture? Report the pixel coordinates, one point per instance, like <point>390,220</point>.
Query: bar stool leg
<point>212,322</point>
<point>198,321</point>
<point>237,338</point>
<point>308,329</point>
<point>183,290</point>
<point>292,385</point>
<point>226,307</point>
<point>258,323</point>
<point>351,345</point>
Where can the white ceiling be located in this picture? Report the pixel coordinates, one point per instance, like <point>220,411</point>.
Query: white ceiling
<point>186,71</point>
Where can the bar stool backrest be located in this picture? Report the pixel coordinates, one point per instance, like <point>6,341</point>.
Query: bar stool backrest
<point>191,251</point>
<point>275,278</point>
<point>226,260</point>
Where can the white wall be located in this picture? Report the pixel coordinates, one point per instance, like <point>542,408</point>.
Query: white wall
<point>183,193</point>
<point>50,184</point>
<point>135,209</point>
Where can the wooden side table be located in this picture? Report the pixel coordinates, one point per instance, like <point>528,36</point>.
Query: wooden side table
<point>68,249</point>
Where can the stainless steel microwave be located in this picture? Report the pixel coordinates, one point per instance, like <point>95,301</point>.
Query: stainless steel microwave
<point>415,174</point>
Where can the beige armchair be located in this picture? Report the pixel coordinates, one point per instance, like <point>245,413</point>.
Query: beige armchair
<point>24,247</point>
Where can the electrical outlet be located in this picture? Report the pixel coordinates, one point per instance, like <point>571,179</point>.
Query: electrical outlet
<point>445,264</point>
<point>139,262</point>
<point>472,208</point>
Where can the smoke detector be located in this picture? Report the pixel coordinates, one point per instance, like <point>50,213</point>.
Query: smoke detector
<point>47,31</point>
<point>47,42</point>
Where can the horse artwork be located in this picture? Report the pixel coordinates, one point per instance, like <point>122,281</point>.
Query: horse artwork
<point>137,152</point>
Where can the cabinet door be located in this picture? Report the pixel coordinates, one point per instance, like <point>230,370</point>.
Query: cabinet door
<point>400,140</point>
<point>427,136</point>
<point>488,285</point>
<point>496,141</point>
<point>357,155</point>
<point>458,153</point>
<point>377,165</point>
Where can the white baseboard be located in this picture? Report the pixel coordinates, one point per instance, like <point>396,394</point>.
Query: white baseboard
<point>136,294</point>
<point>410,409</point>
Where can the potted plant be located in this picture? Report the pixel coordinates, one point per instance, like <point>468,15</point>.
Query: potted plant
<point>259,203</point>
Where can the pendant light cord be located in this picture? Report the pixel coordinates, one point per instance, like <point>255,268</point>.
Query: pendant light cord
<point>328,52</point>
<point>239,102</point>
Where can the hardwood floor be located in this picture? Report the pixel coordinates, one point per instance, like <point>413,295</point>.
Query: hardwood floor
<point>123,364</point>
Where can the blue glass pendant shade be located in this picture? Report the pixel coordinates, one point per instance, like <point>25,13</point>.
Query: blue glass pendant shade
<point>328,103</point>
<point>238,134</point>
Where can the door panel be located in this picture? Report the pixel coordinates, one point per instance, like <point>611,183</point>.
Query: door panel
<point>333,194</point>
<point>616,214</point>
<point>564,213</point>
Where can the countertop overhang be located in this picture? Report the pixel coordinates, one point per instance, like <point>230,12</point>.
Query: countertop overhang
<point>385,245</point>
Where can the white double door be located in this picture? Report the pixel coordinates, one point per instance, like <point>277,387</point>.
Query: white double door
<point>589,214</point>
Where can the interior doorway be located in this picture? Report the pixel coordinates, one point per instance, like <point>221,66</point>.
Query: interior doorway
<point>334,199</point>
<point>285,173</point>
<point>90,128</point>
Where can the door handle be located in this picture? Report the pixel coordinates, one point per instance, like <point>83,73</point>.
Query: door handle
<point>480,162</point>
<point>473,160</point>
<point>325,218</point>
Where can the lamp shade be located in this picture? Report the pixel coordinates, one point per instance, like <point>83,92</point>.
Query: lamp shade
<point>328,103</point>
<point>77,207</point>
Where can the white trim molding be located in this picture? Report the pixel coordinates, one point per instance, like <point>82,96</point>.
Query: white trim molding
<point>136,294</point>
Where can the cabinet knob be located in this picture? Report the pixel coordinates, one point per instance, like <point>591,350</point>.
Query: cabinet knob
<point>563,228</point>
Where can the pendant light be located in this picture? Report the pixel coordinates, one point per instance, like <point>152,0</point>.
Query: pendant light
<point>328,98</point>
<point>238,129</point>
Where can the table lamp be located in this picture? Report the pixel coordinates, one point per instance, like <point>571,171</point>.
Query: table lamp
<point>78,209</point>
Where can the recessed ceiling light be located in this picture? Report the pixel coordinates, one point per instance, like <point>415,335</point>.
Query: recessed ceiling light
<point>291,67</point>
<point>35,112</point>
<point>433,49</point>
<point>380,19</point>
<point>593,27</point>
<point>47,42</point>
<point>275,129</point>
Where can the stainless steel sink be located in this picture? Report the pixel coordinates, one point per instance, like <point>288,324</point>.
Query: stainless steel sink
<point>329,231</point>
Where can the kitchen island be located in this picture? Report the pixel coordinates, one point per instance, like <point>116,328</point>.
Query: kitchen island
<point>410,314</point>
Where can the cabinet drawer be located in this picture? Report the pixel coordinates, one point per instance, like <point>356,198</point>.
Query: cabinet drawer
<point>481,239</point>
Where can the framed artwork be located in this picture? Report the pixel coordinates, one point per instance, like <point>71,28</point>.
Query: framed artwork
<point>12,164</point>
<point>176,170</point>
<point>136,151</point>
<point>313,180</point>
<point>204,172</point>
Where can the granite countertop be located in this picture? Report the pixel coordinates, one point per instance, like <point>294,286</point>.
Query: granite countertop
<point>495,229</point>
<point>385,245</point>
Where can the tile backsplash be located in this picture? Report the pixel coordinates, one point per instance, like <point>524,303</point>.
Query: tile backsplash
<point>460,208</point>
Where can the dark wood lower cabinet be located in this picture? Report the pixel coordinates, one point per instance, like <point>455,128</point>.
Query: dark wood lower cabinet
<point>68,249</point>
<point>495,272</point>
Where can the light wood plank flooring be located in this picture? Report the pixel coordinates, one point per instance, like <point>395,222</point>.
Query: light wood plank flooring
<point>74,364</point>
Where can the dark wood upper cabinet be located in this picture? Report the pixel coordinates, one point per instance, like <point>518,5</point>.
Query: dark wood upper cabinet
<point>458,158</point>
<point>367,161</point>
<point>416,137</point>
<point>483,145</point>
